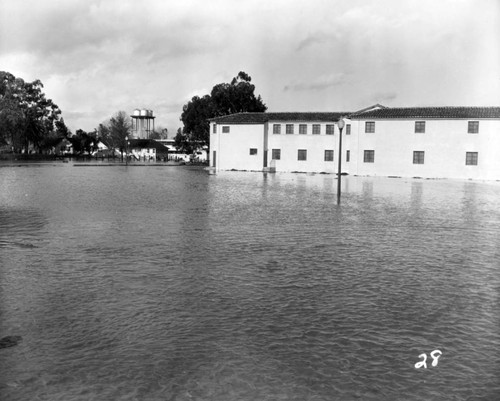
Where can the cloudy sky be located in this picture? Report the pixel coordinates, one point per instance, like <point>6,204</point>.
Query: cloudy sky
<point>97,57</point>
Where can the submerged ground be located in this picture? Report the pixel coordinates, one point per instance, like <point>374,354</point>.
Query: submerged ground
<point>171,283</point>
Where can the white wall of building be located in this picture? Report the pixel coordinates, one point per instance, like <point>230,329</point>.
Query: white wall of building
<point>143,153</point>
<point>314,144</point>
<point>233,148</point>
<point>444,143</point>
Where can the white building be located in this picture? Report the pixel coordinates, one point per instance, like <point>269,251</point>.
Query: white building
<point>428,142</point>
<point>277,141</point>
<point>431,142</point>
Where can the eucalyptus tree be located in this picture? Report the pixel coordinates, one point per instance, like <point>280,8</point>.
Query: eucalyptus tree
<point>225,98</point>
<point>27,117</point>
<point>195,115</point>
<point>236,97</point>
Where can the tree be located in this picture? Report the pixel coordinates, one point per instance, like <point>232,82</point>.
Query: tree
<point>181,143</point>
<point>225,98</point>
<point>50,141</point>
<point>159,133</point>
<point>120,127</point>
<point>195,117</point>
<point>61,129</point>
<point>26,115</point>
<point>84,142</point>
<point>236,97</point>
<point>104,134</point>
<point>10,113</point>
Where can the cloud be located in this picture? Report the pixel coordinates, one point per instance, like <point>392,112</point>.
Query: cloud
<point>312,39</point>
<point>317,84</point>
<point>97,57</point>
<point>382,97</point>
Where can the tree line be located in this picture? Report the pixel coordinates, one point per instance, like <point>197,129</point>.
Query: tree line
<point>31,121</point>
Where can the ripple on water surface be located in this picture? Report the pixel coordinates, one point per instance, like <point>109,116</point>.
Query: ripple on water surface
<point>168,283</point>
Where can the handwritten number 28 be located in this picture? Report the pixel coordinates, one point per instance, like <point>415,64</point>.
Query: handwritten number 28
<point>435,356</point>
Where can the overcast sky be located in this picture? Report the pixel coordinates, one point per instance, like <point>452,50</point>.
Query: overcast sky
<point>96,58</point>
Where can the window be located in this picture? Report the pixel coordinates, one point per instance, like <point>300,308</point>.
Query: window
<point>302,154</point>
<point>225,129</point>
<point>348,156</point>
<point>253,151</point>
<point>348,129</point>
<point>369,156</point>
<point>289,128</point>
<point>473,127</point>
<point>303,129</point>
<point>471,158</point>
<point>316,129</point>
<point>214,129</point>
<point>370,127</point>
<point>328,155</point>
<point>419,127</point>
<point>418,157</point>
<point>276,128</point>
<point>276,154</point>
<point>329,129</point>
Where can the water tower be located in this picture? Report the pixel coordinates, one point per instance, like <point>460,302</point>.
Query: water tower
<point>142,121</point>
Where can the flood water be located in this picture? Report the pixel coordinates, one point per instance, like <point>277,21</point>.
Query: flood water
<point>169,283</point>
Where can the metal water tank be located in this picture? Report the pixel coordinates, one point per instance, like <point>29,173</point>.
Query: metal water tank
<point>144,113</point>
<point>137,112</point>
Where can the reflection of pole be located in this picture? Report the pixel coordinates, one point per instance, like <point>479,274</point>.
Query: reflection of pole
<point>339,173</point>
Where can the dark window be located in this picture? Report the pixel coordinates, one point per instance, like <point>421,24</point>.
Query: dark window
<point>348,155</point>
<point>302,154</point>
<point>316,129</point>
<point>418,157</point>
<point>253,151</point>
<point>289,128</point>
<point>328,155</point>
<point>348,129</point>
<point>276,128</point>
<point>471,158</point>
<point>473,127</point>
<point>225,129</point>
<point>276,154</point>
<point>330,129</point>
<point>369,156</point>
<point>420,127</point>
<point>303,129</point>
<point>370,127</point>
<point>215,129</point>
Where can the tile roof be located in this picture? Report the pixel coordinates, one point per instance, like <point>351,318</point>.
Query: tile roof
<point>372,113</point>
<point>428,112</point>
<point>260,118</point>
